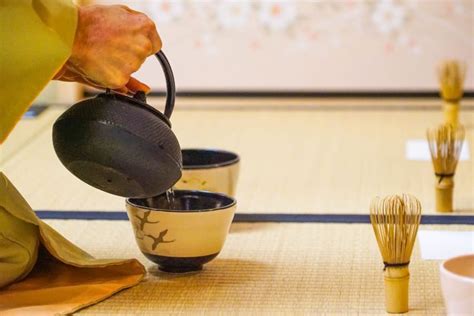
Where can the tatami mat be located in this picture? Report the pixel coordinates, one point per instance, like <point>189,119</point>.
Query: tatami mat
<point>265,269</point>
<point>305,161</point>
<point>26,132</point>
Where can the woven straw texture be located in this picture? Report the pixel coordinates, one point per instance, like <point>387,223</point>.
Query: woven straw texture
<point>308,160</point>
<point>265,269</point>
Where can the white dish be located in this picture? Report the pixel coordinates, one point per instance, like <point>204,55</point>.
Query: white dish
<point>457,284</point>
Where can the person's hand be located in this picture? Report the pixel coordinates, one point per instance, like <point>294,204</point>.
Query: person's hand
<point>111,43</point>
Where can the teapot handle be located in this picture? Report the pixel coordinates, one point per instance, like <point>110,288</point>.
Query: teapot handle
<point>170,85</point>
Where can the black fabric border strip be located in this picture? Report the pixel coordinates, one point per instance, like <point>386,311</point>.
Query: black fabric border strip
<point>301,94</point>
<point>34,111</point>
<point>305,108</point>
<point>320,108</point>
<point>264,218</point>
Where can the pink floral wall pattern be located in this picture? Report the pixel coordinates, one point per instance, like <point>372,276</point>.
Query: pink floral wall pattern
<point>310,45</point>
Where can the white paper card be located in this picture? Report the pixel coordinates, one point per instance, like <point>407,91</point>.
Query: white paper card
<point>417,149</point>
<point>441,245</point>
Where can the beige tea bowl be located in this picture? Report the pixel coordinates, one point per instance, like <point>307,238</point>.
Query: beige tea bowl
<point>457,284</point>
<point>209,170</point>
<point>182,235</point>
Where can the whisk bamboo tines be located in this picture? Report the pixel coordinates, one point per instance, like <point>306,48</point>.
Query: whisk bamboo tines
<point>451,74</point>
<point>395,220</point>
<point>445,143</point>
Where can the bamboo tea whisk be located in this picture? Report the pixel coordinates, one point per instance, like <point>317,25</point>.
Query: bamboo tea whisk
<point>451,74</point>
<point>395,220</point>
<point>445,144</point>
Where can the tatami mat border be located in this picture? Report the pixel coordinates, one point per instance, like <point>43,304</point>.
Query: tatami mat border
<point>301,93</point>
<point>321,108</point>
<point>262,218</point>
<point>313,107</point>
<point>34,111</point>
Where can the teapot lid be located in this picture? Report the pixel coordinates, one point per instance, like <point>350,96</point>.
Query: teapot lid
<point>138,99</point>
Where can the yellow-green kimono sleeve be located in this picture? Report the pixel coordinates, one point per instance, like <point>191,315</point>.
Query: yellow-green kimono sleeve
<point>36,38</point>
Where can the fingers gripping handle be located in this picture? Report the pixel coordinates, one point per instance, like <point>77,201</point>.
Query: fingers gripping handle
<point>170,85</point>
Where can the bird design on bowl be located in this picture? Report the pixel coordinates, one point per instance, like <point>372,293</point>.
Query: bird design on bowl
<point>140,234</point>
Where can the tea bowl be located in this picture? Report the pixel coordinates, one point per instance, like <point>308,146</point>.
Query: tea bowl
<point>183,235</point>
<point>457,284</point>
<point>209,170</point>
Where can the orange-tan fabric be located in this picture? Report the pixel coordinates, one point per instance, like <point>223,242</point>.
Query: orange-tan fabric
<point>50,275</point>
<point>56,288</point>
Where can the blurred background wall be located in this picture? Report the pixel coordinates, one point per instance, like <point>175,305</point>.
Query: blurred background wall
<point>308,46</point>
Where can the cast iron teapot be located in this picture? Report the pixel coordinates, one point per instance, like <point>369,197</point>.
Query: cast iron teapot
<point>120,144</point>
